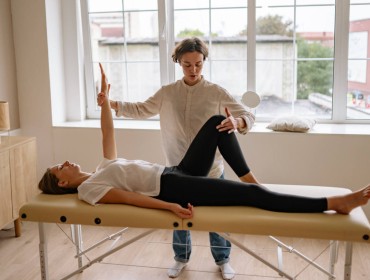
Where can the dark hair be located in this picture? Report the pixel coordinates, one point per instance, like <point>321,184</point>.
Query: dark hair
<point>193,44</point>
<point>49,184</point>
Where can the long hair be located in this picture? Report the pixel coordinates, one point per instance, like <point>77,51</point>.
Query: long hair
<point>49,185</point>
<point>192,44</point>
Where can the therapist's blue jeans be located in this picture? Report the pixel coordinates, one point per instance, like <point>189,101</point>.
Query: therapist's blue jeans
<point>220,247</point>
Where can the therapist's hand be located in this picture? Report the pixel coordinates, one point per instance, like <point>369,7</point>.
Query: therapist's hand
<point>230,124</point>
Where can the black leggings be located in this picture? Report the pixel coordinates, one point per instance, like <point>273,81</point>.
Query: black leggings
<point>187,182</point>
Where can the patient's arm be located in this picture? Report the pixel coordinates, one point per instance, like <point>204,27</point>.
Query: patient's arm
<point>118,196</point>
<point>106,120</point>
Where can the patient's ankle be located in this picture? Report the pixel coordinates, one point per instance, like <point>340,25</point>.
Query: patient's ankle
<point>346,203</point>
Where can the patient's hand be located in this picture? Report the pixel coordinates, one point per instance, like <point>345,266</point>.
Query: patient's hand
<point>104,87</point>
<point>183,213</point>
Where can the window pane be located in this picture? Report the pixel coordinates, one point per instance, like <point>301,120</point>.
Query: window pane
<point>126,42</point>
<point>360,2</point>
<point>104,6</point>
<point>358,95</point>
<point>294,56</point>
<point>315,87</point>
<point>110,32</point>
<point>223,27</point>
<point>191,23</point>
<point>116,73</point>
<point>229,22</point>
<point>228,3</point>
<point>275,85</point>
<point>106,32</point>
<point>140,81</point>
<point>139,5</point>
<point>274,3</point>
<point>231,75</point>
<point>314,2</point>
<point>294,51</point>
<point>193,4</point>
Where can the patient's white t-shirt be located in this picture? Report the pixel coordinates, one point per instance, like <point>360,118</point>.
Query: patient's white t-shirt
<point>130,175</point>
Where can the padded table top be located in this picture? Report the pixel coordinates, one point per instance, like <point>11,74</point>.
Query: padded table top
<point>234,219</point>
<point>68,209</point>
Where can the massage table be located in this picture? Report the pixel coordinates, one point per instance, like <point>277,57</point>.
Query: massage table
<point>68,209</point>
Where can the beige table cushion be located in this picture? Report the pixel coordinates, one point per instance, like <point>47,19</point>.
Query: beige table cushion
<point>247,220</point>
<point>68,209</point>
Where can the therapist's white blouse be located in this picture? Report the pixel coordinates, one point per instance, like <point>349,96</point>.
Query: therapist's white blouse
<point>183,110</point>
<point>130,175</point>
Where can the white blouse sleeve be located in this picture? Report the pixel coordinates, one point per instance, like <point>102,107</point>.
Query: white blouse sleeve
<point>92,192</point>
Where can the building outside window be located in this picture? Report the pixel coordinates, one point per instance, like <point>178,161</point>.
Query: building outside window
<point>358,95</point>
<point>290,60</point>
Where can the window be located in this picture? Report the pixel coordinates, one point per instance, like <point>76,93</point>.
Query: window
<point>358,93</point>
<point>220,24</point>
<point>123,36</point>
<point>294,57</point>
<point>294,53</point>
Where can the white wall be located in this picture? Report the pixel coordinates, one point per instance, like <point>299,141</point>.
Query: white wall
<point>313,159</point>
<point>8,79</point>
<point>83,145</point>
<point>33,79</point>
<point>281,158</point>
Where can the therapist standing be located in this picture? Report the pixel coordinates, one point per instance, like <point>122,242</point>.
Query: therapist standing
<point>184,106</point>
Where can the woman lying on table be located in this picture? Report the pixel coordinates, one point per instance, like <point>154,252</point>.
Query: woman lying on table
<point>179,188</point>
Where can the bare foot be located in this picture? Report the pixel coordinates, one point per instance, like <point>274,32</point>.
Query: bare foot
<point>346,203</point>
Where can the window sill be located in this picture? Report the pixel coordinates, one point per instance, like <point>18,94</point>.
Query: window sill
<point>259,127</point>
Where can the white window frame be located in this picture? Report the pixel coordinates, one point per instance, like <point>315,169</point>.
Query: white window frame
<point>340,82</point>
<point>88,66</point>
<point>167,67</point>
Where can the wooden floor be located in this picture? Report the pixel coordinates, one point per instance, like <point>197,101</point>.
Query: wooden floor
<point>150,257</point>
